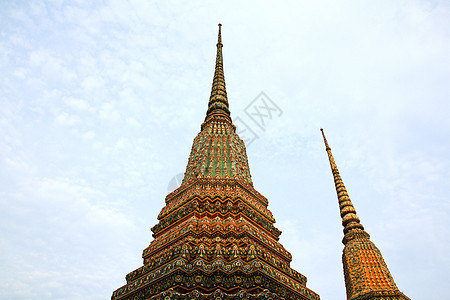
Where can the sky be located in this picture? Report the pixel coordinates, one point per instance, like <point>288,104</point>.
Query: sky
<point>101,100</point>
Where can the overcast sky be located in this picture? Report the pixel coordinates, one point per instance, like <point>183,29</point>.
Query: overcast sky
<point>100,104</point>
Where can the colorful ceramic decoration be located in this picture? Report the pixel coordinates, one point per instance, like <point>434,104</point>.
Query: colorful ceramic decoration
<point>216,238</point>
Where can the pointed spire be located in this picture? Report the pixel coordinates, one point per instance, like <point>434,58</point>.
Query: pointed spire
<point>350,220</point>
<point>218,101</point>
<point>365,271</point>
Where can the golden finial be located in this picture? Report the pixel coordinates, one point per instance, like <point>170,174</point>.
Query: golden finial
<point>218,101</point>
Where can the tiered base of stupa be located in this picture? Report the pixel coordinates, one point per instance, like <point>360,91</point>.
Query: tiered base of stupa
<point>215,240</point>
<point>217,294</point>
<point>198,278</point>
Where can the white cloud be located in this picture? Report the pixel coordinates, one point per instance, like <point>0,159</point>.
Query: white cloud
<point>77,104</point>
<point>108,112</point>
<point>38,58</point>
<point>133,122</point>
<point>21,73</point>
<point>67,119</point>
<point>92,82</point>
<point>89,135</point>
<point>63,222</point>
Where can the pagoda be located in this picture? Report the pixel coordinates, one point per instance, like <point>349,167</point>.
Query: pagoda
<point>215,237</point>
<point>367,276</point>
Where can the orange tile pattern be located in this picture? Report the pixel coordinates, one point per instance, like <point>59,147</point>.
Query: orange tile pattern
<point>366,274</point>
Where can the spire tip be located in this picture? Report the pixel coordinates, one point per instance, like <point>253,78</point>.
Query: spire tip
<point>219,39</point>
<point>325,140</point>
